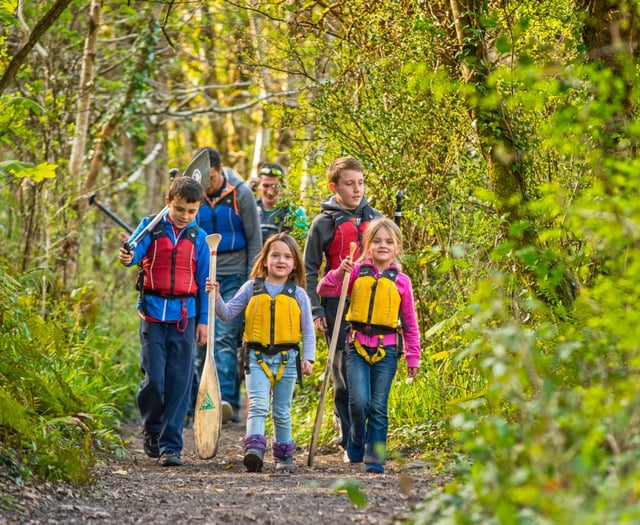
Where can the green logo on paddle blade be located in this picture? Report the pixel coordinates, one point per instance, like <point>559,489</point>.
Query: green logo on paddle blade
<point>207,403</point>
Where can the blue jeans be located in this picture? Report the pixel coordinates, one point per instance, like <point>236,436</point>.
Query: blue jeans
<point>369,387</point>
<point>166,360</point>
<point>226,343</point>
<point>260,394</point>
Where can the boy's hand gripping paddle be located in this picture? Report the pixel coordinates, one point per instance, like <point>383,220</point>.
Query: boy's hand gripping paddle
<point>207,422</point>
<point>317,424</point>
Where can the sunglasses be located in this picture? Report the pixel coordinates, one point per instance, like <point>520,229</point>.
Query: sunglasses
<point>271,172</point>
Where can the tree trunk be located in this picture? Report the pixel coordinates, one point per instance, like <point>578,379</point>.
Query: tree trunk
<point>502,145</point>
<point>69,250</point>
<point>40,29</point>
<point>78,147</point>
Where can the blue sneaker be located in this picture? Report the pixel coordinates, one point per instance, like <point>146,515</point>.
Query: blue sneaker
<point>374,468</point>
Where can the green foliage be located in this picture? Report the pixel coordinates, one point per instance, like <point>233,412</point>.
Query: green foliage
<point>514,144</point>
<point>553,435</point>
<point>353,488</point>
<point>62,394</point>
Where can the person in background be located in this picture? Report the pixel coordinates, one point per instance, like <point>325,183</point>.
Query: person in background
<point>274,216</point>
<point>381,300</point>
<point>277,320</point>
<point>169,326</point>
<point>253,184</point>
<point>343,219</point>
<point>229,208</point>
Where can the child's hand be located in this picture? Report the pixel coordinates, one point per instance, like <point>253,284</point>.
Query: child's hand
<point>412,372</point>
<point>307,367</point>
<point>320,323</point>
<point>125,256</point>
<point>201,334</point>
<point>346,266</point>
<point>213,287</point>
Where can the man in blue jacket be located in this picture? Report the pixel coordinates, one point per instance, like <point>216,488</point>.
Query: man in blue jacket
<point>229,208</point>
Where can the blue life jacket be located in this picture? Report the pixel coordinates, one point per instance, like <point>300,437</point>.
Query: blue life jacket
<point>221,215</point>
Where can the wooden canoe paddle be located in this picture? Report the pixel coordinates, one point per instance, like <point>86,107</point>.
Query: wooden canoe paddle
<point>207,422</point>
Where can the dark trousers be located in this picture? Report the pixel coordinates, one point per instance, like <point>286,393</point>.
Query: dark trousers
<point>166,360</point>
<point>338,370</point>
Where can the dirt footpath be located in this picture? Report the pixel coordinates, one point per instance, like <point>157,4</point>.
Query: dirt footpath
<point>137,489</point>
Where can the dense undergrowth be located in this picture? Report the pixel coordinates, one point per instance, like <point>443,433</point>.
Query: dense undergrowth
<point>65,382</point>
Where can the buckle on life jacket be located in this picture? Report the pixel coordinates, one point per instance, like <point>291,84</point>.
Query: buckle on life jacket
<point>371,356</point>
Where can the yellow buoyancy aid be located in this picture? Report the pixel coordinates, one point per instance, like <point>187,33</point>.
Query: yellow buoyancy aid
<point>375,302</point>
<point>374,309</point>
<point>272,322</point>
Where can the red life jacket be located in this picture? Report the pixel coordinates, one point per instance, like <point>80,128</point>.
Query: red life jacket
<point>170,271</point>
<point>348,228</point>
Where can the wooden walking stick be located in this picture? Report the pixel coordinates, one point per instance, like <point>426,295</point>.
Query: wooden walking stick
<point>317,424</point>
<point>207,422</point>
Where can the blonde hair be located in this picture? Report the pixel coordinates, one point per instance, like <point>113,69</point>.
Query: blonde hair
<point>259,269</point>
<point>372,230</point>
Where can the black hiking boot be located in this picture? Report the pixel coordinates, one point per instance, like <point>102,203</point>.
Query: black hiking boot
<point>253,460</point>
<point>151,445</point>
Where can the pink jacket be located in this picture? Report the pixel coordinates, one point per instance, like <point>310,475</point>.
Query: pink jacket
<point>331,284</point>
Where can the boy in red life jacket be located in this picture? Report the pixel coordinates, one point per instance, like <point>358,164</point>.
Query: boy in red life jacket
<point>343,219</point>
<point>174,259</point>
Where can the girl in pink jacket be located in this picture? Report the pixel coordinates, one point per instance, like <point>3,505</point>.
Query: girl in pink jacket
<point>383,323</point>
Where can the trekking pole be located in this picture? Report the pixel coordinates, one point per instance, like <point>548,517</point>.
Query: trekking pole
<point>317,425</point>
<point>398,215</point>
<point>108,212</point>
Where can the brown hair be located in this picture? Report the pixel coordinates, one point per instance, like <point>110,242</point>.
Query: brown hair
<point>340,164</point>
<point>186,188</point>
<point>373,228</point>
<point>297,275</point>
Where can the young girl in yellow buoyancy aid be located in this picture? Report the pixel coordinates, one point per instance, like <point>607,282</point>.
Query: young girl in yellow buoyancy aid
<point>381,299</point>
<point>277,319</point>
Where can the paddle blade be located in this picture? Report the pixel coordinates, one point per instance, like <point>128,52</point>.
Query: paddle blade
<point>208,415</point>
<point>198,169</point>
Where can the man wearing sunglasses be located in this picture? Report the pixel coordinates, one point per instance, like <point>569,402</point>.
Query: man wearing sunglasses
<point>276,215</point>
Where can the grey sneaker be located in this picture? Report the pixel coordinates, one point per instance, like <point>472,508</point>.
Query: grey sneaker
<point>285,465</point>
<point>227,412</point>
<point>170,459</point>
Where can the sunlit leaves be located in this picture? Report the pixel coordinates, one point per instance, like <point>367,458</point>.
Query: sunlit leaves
<point>22,170</point>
